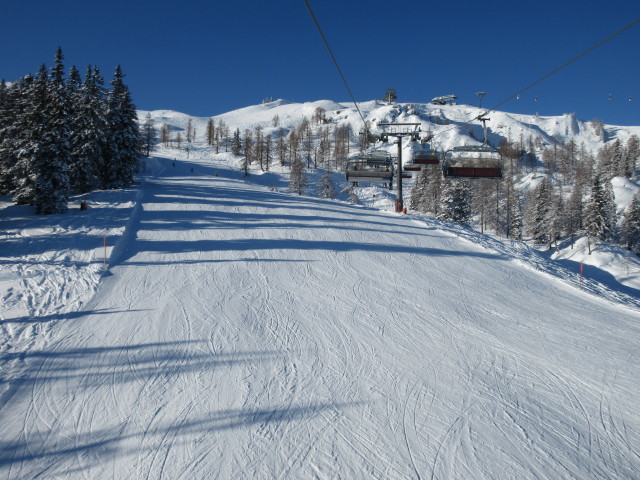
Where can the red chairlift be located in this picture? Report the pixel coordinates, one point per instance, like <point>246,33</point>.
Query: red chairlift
<point>426,157</point>
<point>473,162</point>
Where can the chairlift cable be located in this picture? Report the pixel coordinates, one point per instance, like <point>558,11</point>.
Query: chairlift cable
<point>566,64</point>
<point>556,70</point>
<point>326,44</point>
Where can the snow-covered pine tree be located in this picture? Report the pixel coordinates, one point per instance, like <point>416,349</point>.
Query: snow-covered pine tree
<point>554,220</point>
<point>236,144</point>
<point>611,210</point>
<point>455,204</point>
<point>11,99</point>
<point>631,225</point>
<point>419,192</point>
<point>123,136</point>
<point>597,212</point>
<point>512,208</point>
<point>326,187</point>
<point>88,133</point>
<point>352,195</point>
<point>55,191</point>
<point>44,152</point>
<point>631,155</point>
<point>538,213</point>
<point>17,177</point>
<point>516,223</point>
<point>573,213</point>
<point>604,165</point>
<point>484,203</point>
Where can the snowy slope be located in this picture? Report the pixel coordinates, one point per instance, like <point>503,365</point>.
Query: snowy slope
<point>243,332</point>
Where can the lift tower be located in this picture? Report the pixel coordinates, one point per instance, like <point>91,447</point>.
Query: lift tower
<point>399,130</point>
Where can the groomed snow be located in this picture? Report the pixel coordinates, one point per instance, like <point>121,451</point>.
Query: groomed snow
<point>244,332</point>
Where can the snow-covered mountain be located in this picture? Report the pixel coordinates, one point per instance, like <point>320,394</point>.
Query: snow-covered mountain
<point>241,331</point>
<point>451,125</point>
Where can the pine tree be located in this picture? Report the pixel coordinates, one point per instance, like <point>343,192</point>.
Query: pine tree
<point>123,135</point>
<point>352,195</point>
<point>12,136</point>
<point>554,220</point>
<point>484,202</point>
<point>45,149</point>
<point>597,213</point>
<point>539,213</point>
<point>573,214</point>
<point>631,225</point>
<point>456,202</point>
<point>326,187</point>
<point>419,192</point>
<point>88,133</point>
<point>59,120</point>
<point>248,146</point>
<point>434,189</point>
<point>610,209</point>
<point>516,223</point>
<point>18,175</point>
<point>236,145</point>
<point>631,155</point>
<point>148,135</point>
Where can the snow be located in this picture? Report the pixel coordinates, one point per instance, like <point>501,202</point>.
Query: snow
<point>241,331</point>
<point>623,190</point>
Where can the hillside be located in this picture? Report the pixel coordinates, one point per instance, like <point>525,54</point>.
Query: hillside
<point>241,331</point>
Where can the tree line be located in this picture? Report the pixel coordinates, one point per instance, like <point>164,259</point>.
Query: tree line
<point>573,197</point>
<point>66,135</point>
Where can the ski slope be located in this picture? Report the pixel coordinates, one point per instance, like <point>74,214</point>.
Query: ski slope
<point>243,332</point>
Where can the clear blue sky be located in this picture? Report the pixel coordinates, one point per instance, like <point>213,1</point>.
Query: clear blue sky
<point>206,58</point>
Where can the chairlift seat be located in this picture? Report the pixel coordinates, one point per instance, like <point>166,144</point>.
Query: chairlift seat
<point>473,162</point>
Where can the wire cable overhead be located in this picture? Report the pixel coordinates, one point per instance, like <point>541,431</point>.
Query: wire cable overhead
<point>326,44</point>
<point>564,65</point>
<point>552,72</point>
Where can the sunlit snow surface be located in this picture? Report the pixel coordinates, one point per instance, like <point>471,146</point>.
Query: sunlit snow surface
<point>244,332</point>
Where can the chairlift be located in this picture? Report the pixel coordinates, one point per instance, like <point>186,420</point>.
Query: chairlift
<point>375,166</point>
<point>424,156</point>
<point>480,161</point>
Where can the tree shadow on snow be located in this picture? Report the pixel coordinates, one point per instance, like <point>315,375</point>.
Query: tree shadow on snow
<point>62,316</point>
<point>54,450</point>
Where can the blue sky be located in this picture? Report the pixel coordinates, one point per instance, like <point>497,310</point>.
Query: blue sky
<point>206,58</point>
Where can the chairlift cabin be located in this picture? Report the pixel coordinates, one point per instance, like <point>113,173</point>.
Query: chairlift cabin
<point>473,162</point>
<point>423,156</point>
<point>376,166</point>
<point>426,156</point>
